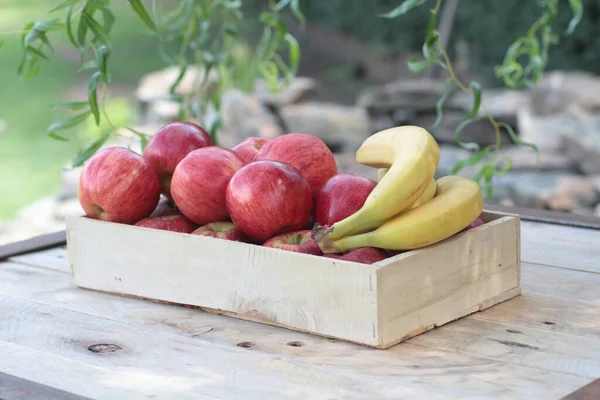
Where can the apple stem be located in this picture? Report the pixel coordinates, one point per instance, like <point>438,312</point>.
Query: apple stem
<point>296,239</point>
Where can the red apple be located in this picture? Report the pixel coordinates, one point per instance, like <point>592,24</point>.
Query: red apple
<point>298,242</point>
<point>117,185</point>
<point>165,207</point>
<point>363,255</point>
<point>169,145</point>
<point>248,148</point>
<point>266,198</point>
<point>222,230</point>
<point>307,153</point>
<point>478,222</point>
<point>173,223</point>
<point>200,181</point>
<point>341,196</point>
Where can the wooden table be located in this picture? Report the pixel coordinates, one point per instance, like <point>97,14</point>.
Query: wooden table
<point>61,342</point>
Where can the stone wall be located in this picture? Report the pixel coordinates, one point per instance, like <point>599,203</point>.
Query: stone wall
<point>561,116</point>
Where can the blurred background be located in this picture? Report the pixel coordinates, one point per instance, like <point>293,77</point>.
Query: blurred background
<point>352,81</point>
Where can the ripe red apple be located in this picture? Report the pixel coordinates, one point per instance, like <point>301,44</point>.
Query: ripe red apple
<point>200,181</point>
<point>169,145</point>
<point>266,198</point>
<point>222,230</point>
<point>165,207</point>
<point>341,196</point>
<point>173,223</point>
<point>307,153</point>
<point>478,222</point>
<point>117,185</point>
<point>298,242</point>
<point>364,255</point>
<point>248,148</point>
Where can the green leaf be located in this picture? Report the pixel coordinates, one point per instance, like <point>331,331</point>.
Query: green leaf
<point>68,123</point>
<point>403,8</point>
<point>506,168</point>
<point>93,95</point>
<point>417,66</point>
<point>577,10</point>
<point>294,53</point>
<point>467,146</point>
<point>474,159</point>
<point>96,28</point>
<point>295,6</point>
<point>182,70</point>
<point>82,29</point>
<point>65,4</point>
<point>26,31</point>
<point>89,151</point>
<point>476,89</point>
<point>108,17</point>
<point>69,27</point>
<point>140,10</point>
<point>1,43</point>
<point>440,103</point>
<point>92,64</point>
<point>102,61</point>
<point>56,136</point>
<point>518,140</point>
<point>71,105</point>
<point>37,52</point>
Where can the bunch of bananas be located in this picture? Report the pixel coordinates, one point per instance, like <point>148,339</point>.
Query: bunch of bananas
<point>408,209</point>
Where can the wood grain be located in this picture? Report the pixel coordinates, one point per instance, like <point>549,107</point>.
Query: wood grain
<point>155,356</point>
<point>561,246</point>
<point>332,298</point>
<point>461,375</point>
<point>33,244</point>
<point>448,281</point>
<point>591,391</point>
<point>54,258</point>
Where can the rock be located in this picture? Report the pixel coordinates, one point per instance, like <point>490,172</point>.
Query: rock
<point>525,159</point>
<point>597,210</point>
<point>243,116</point>
<point>559,90</point>
<point>528,189</point>
<point>342,128</point>
<point>583,145</point>
<point>156,85</point>
<point>301,89</point>
<point>480,132</point>
<point>346,162</point>
<point>573,193</point>
<point>417,94</point>
<point>501,104</point>
<point>546,132</point>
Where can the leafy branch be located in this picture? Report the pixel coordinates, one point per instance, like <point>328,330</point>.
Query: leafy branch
<point>205,30</point>
<point>533,47</point>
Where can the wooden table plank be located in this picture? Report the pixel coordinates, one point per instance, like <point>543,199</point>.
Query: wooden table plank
<point>560,246</point>
<point>60,375</point>
<point>206,368</point>
<point>591,391</point>
<point>55,258</point>
<point>446,369</point>
<point>559,282</point>
<point>13,388</point>
<point>36,243</point>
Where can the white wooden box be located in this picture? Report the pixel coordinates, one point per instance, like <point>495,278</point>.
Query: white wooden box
<point>377,305</point>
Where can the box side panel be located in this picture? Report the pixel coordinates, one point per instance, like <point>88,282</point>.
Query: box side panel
<point>299,291</point>
<point>448,280</point>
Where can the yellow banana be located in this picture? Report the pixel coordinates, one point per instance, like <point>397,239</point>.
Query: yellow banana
<point>381,172</point>
<point>411,156</point>
<point>458,202</point>
<point>425,197</point>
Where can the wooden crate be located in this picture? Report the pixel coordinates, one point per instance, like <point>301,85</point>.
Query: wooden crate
<point>376,305</point>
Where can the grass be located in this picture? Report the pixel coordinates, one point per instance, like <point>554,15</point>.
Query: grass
<point>30,161</point>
